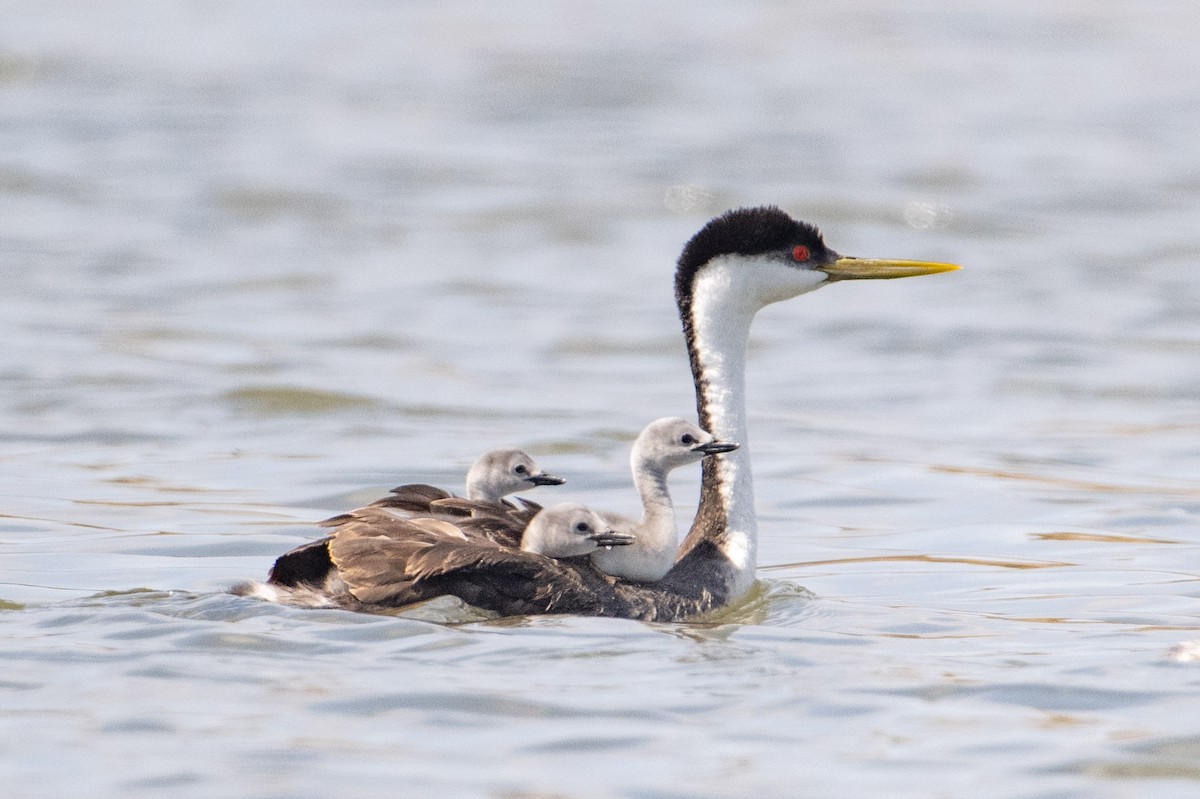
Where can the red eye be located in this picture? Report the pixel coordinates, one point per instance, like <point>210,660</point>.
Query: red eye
<point>800,253</point>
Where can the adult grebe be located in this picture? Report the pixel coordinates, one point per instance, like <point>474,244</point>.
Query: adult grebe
<point>737,264</point>
<point>663,446</point>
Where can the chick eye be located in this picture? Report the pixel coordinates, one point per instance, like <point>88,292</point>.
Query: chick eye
<point>582,527</point>
<point>800,253</point>
<point>520,469</point>
<point>687,439</point>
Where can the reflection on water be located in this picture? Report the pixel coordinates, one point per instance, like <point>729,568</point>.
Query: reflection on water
<point>261,267</point>
<point>1003,564</point>
<point>1167,760</point>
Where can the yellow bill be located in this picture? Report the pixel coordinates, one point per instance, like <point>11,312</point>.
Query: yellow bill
<point>881,268</point>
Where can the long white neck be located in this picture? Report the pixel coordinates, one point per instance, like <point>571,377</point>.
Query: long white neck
<point>658,513</point>
<point>719,335</point>
<point>720,302</point>
<point>651,481</point>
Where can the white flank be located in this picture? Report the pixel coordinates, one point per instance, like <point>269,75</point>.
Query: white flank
<point>301,596</point>
<point>739,548</point>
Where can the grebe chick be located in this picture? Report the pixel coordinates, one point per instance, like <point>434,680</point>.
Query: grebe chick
<point>493,476</point>
<point>664,445</point>
<point>568,530</point>
<point>500,472</point>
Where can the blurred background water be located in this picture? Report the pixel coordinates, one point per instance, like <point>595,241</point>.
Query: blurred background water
<point>263,261</point>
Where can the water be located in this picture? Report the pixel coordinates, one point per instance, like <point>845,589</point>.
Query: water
<point>263,262</point>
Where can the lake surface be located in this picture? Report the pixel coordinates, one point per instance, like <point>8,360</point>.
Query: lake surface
<point>262,262</point>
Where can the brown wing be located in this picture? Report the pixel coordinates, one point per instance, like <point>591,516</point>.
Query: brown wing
<point>504,521</point>
<point>419,499</point>
<point>461,506</point>
<point>412,498</point>
<point>384,560</point>
<point>413,517</point>
<point>375,552</point>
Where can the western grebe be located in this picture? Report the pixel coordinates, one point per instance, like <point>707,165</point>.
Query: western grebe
<point>737,264</point>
